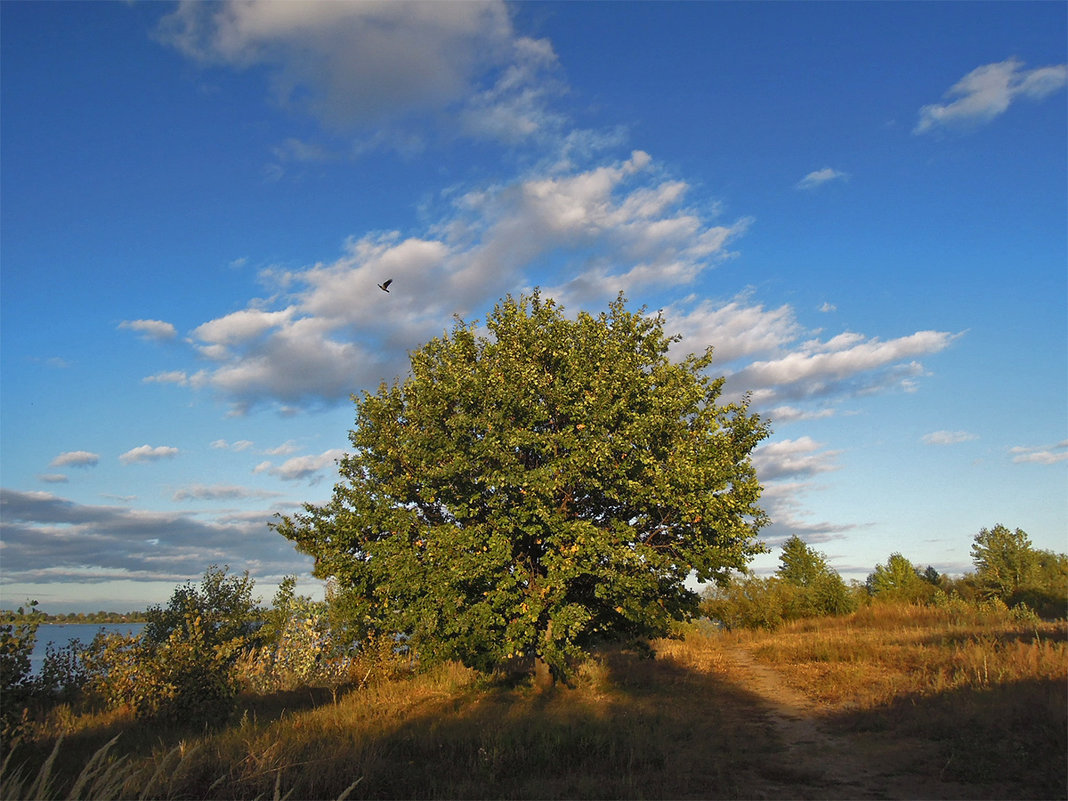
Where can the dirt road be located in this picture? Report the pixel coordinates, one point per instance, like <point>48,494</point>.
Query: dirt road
<point>819,761</point>
<point>816,763</point>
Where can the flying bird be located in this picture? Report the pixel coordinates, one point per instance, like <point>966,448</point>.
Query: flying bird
<point>385,287</point>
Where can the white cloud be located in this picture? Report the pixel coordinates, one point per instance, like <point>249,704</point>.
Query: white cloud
<point>216,492</point>
<point>826,307</point>
<point>150,329</point>
<point>948,437</point>
<point>300,467</point>
<point>336,332</point>
<point>284,449</point>
<point>821,177</point>
<point>357,64</point>
<point>987,92</point>
<point>237,447</point>
<point>795,458</point>
<point>168,377</point>
<point>792,414</point>
<point>847,364</point>
<point>147,453</point>
<point>1041,454</point>
<point>75,459</point>
<point>53,478</point>
<point>241,326</point>
<point>736,329</point>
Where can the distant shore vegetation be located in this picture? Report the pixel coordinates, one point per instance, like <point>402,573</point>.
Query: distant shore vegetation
<point>87,618</point>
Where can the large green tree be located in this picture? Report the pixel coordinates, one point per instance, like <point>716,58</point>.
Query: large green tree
<point>527,493</point>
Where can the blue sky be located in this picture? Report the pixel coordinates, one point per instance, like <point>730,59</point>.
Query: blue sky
<point>862,206</point>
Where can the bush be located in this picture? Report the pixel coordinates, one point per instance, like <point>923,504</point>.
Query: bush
<point>17,640</point>
<point>754,603</point>
<point>299,647</point>
<point>181,670</point>
<point>188,679</point>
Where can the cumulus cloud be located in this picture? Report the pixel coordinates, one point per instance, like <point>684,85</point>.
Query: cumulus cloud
<point>75,459</point>
<point>987,92</point>
<point>1041,454</point>
<point>150,329</point>
<point>357,64</point>
<point>301,467</point>
<point>736,329</point>
<point>794,458</point>
<point>948,437</point>
<point>85,543</point>
<point>847,364</point>
<point>821,177</point>
<point>147,453</point>
<point>334,332</point>
<point>53,478</point>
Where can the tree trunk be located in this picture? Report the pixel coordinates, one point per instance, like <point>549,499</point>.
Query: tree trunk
<point>543,674</point>
<point>544,678</point>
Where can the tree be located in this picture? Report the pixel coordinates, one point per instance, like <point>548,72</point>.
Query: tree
<point>1005,562</point>
<point>527,493</point>
<point>800,564</point>
<point>184,670</point>
<point>898,580</point>
<point>17,640</point>
<point>223,603</point>
<point>823,591</point>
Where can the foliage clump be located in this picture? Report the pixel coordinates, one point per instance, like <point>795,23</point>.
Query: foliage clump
<point>17,639</point>
<point>528,493</point>
<point>803,586</point>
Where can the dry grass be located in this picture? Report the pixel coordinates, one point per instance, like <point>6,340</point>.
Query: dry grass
<point>972,695</point>
<point>975,700</point>
<point>627,728</point>
<point>872,657</point>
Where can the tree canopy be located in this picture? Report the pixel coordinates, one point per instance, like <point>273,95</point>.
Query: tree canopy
<point>1005,561</point>
<point>526,493</point>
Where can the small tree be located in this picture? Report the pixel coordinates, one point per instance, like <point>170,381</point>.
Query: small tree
<point>822,591</point>
<point>898,580</point>
<point>223,602</point>
<point>184,660</point>
<point>17,641</point>
<point>1005,562</point>
<point>800,564</point>
<point>528,493</point>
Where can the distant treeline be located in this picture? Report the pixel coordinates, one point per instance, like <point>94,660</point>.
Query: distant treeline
<point>9,616</point>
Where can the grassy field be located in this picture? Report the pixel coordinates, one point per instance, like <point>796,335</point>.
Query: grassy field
<point>956,703</point>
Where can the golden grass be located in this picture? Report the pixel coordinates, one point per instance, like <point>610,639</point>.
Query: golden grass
<point>882,652</point>
<point>969,698</point>
<point>985,694</point>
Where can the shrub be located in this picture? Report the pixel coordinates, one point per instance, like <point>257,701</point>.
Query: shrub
<point>17,640</point>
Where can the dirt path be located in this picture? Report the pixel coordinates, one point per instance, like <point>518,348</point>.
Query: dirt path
<point>817,763</point>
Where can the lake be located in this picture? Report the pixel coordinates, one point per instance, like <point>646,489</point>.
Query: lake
<point>59,634</point>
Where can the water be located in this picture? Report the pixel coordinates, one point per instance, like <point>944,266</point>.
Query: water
<point>59,634</point>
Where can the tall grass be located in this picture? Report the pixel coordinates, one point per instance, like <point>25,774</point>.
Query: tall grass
<point>983,687</point>
<point>629,727</point>
<point>974,697</point>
